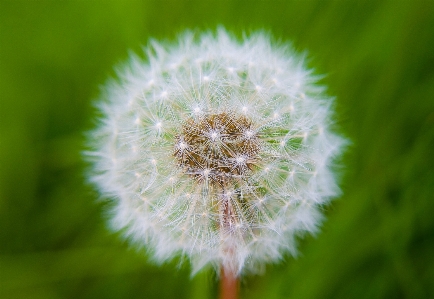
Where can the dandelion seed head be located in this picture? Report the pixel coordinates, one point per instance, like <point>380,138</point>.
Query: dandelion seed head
<point>217,150</point>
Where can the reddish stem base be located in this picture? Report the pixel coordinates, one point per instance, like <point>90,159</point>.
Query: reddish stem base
<point>228,285</point>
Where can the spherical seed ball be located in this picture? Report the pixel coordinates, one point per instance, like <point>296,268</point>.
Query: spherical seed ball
<point>216,150</point>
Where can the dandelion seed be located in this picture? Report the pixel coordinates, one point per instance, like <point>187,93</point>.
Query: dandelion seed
<point>228,167</point>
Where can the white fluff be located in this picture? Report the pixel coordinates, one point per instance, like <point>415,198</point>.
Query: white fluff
<point>158,205</point>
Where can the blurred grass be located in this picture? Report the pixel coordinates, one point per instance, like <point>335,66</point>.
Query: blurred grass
<point>378,241</point>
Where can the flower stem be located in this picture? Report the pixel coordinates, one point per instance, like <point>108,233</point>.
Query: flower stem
<point>228,284</point>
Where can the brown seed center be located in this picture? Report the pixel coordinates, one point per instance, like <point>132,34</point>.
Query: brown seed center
<point>217,147</point>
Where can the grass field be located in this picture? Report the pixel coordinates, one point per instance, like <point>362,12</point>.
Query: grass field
<point>378,240</point>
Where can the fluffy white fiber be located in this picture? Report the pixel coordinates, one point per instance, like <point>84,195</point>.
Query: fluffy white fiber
<point>257,170</point>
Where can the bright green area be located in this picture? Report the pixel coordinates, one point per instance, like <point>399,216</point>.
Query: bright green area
<point>378,241</point>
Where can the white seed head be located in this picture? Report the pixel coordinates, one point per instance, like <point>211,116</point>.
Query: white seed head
<point>216,149</point>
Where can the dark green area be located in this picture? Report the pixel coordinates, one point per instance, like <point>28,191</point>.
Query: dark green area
<point>378,240</point>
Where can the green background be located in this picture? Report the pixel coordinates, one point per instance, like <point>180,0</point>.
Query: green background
<point>378,240</point>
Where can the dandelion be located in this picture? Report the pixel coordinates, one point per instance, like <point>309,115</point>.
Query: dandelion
<point>216,150</point>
